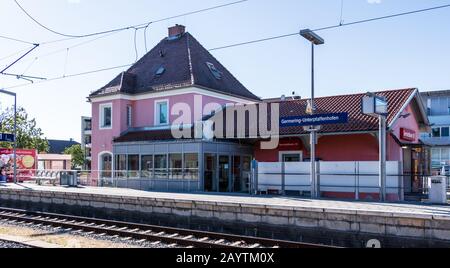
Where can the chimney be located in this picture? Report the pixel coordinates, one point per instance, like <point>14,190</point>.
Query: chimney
<point>176,31</point>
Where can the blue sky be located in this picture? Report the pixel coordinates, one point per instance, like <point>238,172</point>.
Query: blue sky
<point>411,51</point>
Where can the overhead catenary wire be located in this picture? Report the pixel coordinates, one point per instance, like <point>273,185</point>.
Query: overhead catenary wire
<point>16,40</point>
<point>70,75</point>
<point>15,53</point>
<point>341,20</point>
<point>334,26</point>
<point>135,45</point>
<point>139,26</point>
<point>262,40</point>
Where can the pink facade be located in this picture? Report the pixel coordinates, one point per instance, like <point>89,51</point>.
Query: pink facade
<point>143,115</point>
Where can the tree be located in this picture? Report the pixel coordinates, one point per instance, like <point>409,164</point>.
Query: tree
<point>77,155</point>
<point>29,136</point>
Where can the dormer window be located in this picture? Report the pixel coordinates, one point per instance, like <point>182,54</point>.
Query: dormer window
<point>160,71</point>
<point>217,74</point>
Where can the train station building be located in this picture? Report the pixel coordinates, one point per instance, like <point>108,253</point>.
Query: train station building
<point>133,118</point>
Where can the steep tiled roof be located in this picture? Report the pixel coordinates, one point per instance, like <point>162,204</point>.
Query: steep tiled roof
<point>185,64</point>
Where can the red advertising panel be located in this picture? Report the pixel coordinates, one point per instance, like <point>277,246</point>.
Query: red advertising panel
<point>26,163</point>
<point>407,134</point>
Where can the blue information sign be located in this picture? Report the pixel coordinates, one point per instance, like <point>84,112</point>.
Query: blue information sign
<point>6,137</point>
<point>314,120</point>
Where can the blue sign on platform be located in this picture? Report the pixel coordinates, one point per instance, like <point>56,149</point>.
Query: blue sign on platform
<point>314,120</point>
<point>6,137</point>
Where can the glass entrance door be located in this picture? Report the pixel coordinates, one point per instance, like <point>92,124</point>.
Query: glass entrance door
<point>224,173</point>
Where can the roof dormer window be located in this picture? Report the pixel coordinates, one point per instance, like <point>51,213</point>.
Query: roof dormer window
<point>160,71</point>
<point>217,74</point>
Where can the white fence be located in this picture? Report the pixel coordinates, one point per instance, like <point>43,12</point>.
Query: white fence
<point>359,180</point>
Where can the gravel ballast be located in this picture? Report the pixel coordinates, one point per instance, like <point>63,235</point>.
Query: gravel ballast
<point>7,244</point>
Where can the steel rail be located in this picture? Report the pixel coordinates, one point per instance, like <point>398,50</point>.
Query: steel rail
<point>166,235</point>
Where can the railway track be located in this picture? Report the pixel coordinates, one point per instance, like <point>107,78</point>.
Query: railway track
<point>173,237</point>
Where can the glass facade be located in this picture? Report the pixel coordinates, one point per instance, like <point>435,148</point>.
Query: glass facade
<point>440,157</point>
<point>438,106</point>
<point>147,166</point>
<point>172,166</point>
<point>160,167</point>
<point>133,166</point>
<point>191,171</point>
<point>176,166</point>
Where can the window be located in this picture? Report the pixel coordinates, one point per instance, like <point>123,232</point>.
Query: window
<point>106,116</point>
<point>147,166</point>
<point>133,166</point>
<point>445,155</point>
<point>191,166</point>
<point>121,166</point>
<point>161,166</point>
<point>289,157</point>
<point>217,74</point>
<point>445,132</point>
<point>440,106</point>
<point>129,115</point>
<point>176,166</point>
<point>162,113</point>
<point>160,71</point>
<point>436,132</point>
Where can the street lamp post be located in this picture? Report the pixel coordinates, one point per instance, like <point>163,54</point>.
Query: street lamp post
<point>315,40</point>
<point>15,130</point>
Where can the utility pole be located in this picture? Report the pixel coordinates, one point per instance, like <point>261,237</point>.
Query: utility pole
<point>382,143</point>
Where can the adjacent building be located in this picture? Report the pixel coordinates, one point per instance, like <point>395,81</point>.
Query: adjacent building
<point>86,141</point>
<point>437,104</point>
<point>55,159</point>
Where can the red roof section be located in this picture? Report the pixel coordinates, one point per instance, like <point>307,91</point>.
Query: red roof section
<point>350,104</point>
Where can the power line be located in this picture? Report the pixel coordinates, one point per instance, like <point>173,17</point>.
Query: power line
<point>257,41</point>
<point>383,17</point>
<point>21,57</point>
<point>341,21</point>
<point>143,25</point>
<point>16,40</point>
<point>68,76</point>
<point>334,26</point>
<point>15,53</point>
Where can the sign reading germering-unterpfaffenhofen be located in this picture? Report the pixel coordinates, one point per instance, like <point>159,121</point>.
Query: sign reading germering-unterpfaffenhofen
<point>314,120</point>
<point>6,137</point>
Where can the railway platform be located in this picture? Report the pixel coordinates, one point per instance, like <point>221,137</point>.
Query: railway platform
<point>339,223</point>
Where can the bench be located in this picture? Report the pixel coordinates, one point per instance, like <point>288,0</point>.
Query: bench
<point>51,177</point>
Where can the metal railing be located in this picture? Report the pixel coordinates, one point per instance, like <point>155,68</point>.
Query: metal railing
<point>348,185</point>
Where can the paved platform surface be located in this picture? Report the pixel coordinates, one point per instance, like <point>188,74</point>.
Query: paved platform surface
<point>389,209</point>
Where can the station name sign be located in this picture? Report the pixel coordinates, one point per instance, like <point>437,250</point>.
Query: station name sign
<point>6,137</point>
<point>314,120</point>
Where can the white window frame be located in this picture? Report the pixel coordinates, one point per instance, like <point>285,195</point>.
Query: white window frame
<point>281,153</point>
<point>129,116</point>
<point>157,112</point>
<point>101,115</point>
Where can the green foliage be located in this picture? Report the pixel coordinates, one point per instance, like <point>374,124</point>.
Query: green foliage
<point>29,136</point>
<point>77,155</point>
